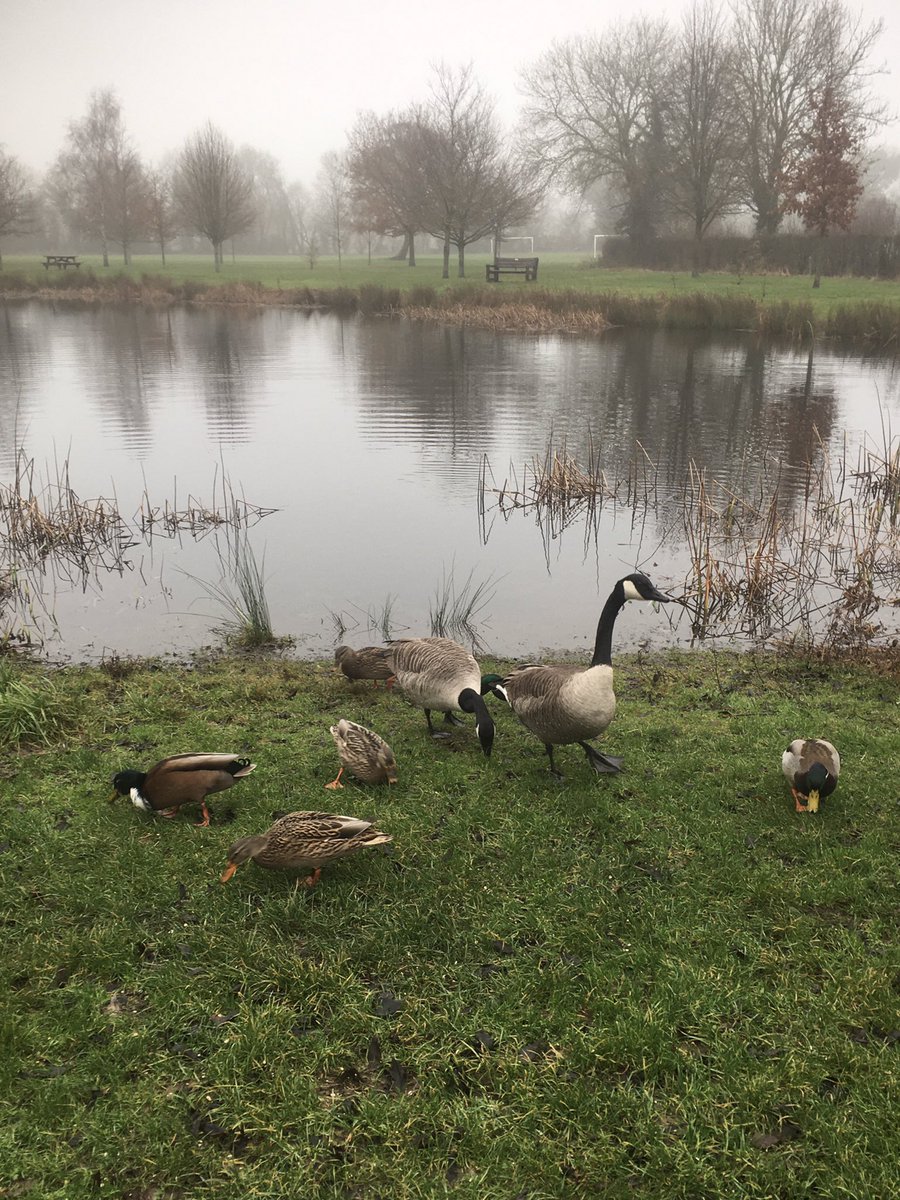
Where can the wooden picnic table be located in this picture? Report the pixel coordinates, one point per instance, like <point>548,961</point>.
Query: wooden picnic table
<point>61,261</point>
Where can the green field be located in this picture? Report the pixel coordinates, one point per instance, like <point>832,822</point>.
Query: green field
<point>665,984</point>
<point>557,272</point>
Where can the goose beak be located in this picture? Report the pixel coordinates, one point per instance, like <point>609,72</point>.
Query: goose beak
<point>659,597</point>
<point>228,872</point>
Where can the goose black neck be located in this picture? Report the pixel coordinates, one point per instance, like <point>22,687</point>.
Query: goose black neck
<point>471,702</point>
<point>603,644</point>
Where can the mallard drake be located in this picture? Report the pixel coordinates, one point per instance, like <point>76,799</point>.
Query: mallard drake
<point>304,841</point>
<point>811,766</point>
<point>369,662</point>
<point>439,674</point>
<point>181,779</point>
<point>565,704</point>
<point>363,753</point>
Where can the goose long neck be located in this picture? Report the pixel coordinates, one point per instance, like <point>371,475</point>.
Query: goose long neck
<point>603,643</point>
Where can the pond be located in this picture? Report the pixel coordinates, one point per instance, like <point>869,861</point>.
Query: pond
<point>376,443</point>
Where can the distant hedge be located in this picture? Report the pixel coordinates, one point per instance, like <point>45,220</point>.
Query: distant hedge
<point>867,254</point>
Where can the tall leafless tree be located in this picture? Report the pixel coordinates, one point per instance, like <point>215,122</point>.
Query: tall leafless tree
<point>96,179</point>
<point>162,223</point>
<point>785,50</point>
<point>385,168</point>
<point>470,185</point>
<point>595,109</point>
<point>703,130</point>
<point>333,191</point>
<point>213,193</point>
<point>18,203</point>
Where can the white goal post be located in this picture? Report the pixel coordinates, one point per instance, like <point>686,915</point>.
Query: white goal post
<point>518,237</point>
<point>600,237</point>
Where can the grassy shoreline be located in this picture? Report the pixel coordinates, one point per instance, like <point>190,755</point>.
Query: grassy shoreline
<point>666,984</point>
<point>571,296</point>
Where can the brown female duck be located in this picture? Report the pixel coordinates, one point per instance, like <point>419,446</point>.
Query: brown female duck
<point>369,662</point>
<point>304,841</point>
<point>364,753</point>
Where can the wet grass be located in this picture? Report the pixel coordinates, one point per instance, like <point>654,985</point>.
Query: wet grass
<point>666,984</point>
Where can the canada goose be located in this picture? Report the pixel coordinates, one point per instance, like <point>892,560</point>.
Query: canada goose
<point>363,753</point>
<point>181,779</point>
<point>369,662</point>
<point>304,841</point>
<point>437,673</point>
<point>565,704</point>
<point>811,766</point>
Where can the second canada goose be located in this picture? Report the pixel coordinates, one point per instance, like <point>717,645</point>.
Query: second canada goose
<point>440,675</point>
<point>811,766</point>
<point>566,704</point>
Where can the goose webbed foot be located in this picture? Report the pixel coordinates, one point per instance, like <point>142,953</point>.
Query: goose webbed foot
<point>603,764</point>
<point>452,719</point>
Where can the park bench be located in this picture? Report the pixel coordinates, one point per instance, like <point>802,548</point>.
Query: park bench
<point>511,266</point>
<point>62,261</point>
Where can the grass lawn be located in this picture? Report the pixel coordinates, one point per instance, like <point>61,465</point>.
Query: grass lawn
<point>557,271</point>
<point>666,984</point>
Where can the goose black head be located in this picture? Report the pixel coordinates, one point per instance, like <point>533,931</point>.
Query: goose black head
<point>638,587</point>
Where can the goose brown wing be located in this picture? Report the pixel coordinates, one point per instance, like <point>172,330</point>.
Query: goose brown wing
<point>437,656</point>
<point>537,683</point>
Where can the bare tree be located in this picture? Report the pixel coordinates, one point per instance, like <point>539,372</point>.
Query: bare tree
<point>212,191</point>
<point>303,239</point>
<point>470,185</point>
<point>785,49</point>
<point>271,229</point>
<point>702,128</point>
<point>595,110</point>
<point>385,167</point>
<point>18,203</point>
<point>161,219</point>
<point>333,187</point>
<point>95,181</point>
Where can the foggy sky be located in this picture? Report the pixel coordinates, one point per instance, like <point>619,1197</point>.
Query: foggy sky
<point>286,76</point>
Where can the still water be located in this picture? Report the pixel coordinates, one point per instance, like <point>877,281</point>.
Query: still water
<point>367,437</point>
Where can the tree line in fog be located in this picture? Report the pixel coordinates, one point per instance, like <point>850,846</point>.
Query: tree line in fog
<point>649,129</point>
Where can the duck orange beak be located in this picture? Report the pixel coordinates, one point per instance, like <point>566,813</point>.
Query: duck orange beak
<point>228,872</point>
<point>812,801</point>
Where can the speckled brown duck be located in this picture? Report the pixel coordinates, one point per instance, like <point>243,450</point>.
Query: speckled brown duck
<point>363,753</point>
<point>304,841</point>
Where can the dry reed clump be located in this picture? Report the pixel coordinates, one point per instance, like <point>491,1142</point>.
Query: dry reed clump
<point>519,318</point>
<point>46,528</point>
<point>812,555</point>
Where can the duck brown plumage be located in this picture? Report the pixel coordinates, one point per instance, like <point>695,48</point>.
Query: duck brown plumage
<point>364,753</point>
<point>181,779</point>
<point>304,841</point>
<point>369,662</point>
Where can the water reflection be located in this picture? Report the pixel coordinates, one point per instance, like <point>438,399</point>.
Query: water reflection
<point>368,435</point>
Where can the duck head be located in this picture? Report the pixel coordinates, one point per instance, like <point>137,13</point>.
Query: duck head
<point>129,783</point>
<point>242,851</point>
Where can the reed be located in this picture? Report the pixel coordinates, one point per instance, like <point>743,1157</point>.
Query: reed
<point>458,611</point>
<point>808,555</point>
<point>241,594</point>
